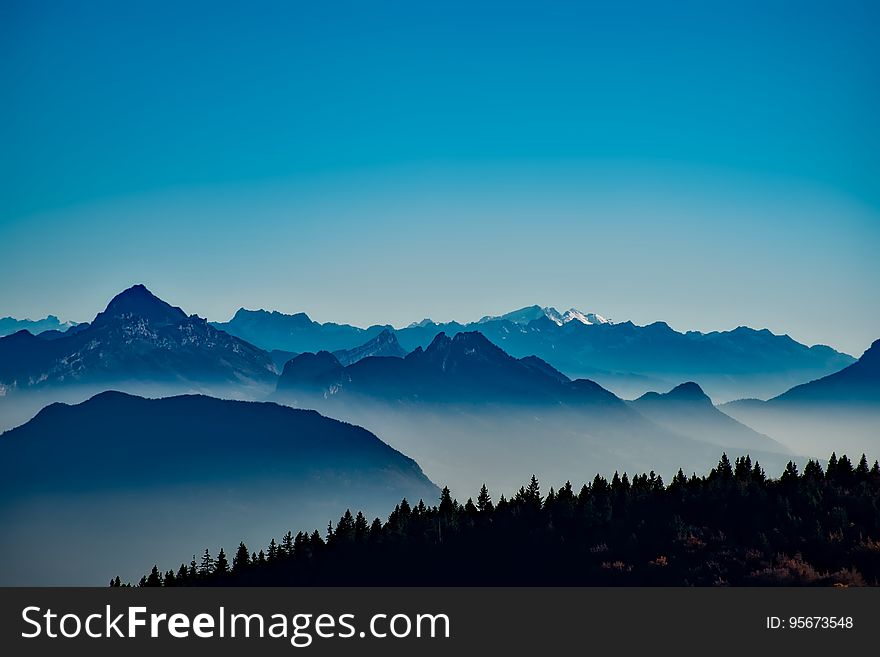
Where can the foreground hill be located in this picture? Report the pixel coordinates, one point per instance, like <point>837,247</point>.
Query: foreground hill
<point>118,470</point>
<point>471,413</point>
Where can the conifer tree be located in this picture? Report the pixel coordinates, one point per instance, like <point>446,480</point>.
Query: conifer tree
<point>484,500</point>
<point>241,559</point>
<point>790,474</point>
<point>287,544</point>
<point>207,566</point>
<point>361,528</point>
<point>813,471</point>
<point>533,492</point>
<point>273,550</point>
<point>375,529</point>
<point>447,507</point>
<point>724,471</point>
<point>831,470</point>
<point>222,565</point>
<point>155,578</point>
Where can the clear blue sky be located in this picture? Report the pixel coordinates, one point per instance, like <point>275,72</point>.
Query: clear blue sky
<point>709,164</point>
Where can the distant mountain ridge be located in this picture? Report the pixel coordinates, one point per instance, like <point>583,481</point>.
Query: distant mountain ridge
<point>10,325</point>
<point>624,357</point>
<point>384,344</point>
<point>296,333</point>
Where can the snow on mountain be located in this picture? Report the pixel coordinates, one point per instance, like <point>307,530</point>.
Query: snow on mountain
<point>575,315</point>
<point>531,313</point>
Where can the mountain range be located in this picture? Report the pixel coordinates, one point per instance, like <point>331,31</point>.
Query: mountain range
<point>493,402</point>
<point>10,325</point>
<point>623,357</point>
<point>178,472</point>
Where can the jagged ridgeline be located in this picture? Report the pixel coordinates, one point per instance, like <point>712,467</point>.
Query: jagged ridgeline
<point>734,526</point>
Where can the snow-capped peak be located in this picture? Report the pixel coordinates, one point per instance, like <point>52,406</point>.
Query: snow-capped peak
<point>553,315</point>
<point>574,315</point>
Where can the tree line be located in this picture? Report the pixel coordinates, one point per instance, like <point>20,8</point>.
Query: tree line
<point>733,526</point>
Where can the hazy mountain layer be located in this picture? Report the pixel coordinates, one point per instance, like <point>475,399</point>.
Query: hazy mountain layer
<point>688,411</point>
<point>470,413</point>
<point>839,411</point>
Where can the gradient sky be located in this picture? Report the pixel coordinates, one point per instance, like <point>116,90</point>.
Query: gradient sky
<point>709,164</point>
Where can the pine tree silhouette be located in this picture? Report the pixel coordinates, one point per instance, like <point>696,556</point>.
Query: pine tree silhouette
<point>207,566</point>
<point>241,559</point>
<point>222,565</point>
<point>484,500</point>
<point>735,525</point>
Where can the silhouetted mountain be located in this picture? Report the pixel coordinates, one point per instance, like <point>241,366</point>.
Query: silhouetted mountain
<point>128,468</point>
<point>687,410</point>
<point>280,357</point>
<point>623,357</point>
<point>318,371</point>
<point>137,338</point>
<point>10,325</point>
<point>384,344</point>
<point>470,413</point>
<point>860,382</point>
<point>843,408</point>
<point>464,368</point>
<point>66,333</point>
<point>298,333</point>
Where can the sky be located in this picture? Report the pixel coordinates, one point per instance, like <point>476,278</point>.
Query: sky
<point>708,164</point>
